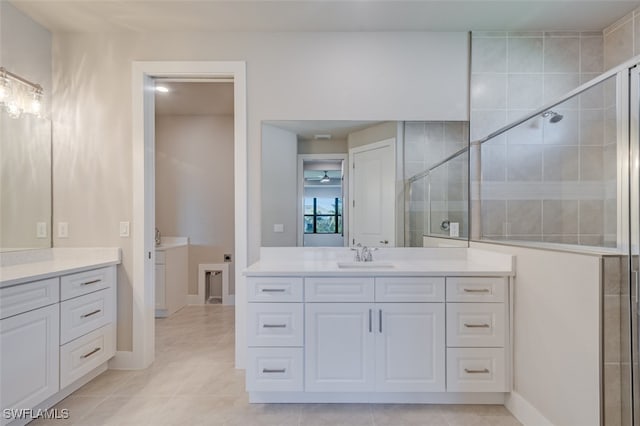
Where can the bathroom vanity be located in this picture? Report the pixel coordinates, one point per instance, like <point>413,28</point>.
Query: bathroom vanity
<point>57,323</point>
<point>415,325</point>
<point>171,275</point>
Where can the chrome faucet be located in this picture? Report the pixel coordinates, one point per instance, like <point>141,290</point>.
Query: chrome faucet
<point>363,253</point>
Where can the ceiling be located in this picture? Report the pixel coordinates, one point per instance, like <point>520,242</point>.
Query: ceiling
<point>324,15</point>
<point>195,98</point>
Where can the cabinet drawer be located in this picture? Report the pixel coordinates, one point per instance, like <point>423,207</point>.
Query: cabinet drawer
<point>274,289</point>
<point>274,369</point>
<point>475,324</point>
<point>476,370</point>
<point>476,289</point>
<point>275,324</point>
<point>83,314</point>
<point>338,289</point>
<point>25,297</point>
<point>86,282</point>
<point>79,357</point>
<point>409,289</point>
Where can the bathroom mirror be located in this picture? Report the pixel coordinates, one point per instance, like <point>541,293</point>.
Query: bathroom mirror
<point>377,183</point>
<point>25,182</point>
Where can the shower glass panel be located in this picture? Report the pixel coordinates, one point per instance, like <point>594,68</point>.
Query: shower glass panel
<point>448,198</point>
<point>554,177</point>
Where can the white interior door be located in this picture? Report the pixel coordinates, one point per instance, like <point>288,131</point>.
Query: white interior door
<point>373,196</point>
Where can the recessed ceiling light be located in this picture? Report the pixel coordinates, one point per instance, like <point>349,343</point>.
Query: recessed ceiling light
<point>322,136</point>
<point>162,89</point>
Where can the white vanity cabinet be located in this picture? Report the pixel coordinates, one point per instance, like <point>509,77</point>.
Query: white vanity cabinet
<point>54,333</point>
<point>171,279</point>
<point>377,338</point>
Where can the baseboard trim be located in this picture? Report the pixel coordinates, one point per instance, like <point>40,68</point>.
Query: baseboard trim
<point>526,413</point>
<point>377,397</point>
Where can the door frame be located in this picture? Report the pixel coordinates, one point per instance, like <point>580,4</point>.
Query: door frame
<point>345,193</point>
<point>143,168</point>
<point>368,147</point>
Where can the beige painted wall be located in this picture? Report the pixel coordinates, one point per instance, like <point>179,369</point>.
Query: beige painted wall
<point>556,303</point>
<point>287,79</point>
<point>333,146</point>
<point>279,187</point>
<point>194,190</point>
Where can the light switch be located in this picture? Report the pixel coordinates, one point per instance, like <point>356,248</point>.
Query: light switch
<point>63,230</point>
<point>124,229</point>
<point>278,227</point>
<point>454,229</point>
<point>41,230</point>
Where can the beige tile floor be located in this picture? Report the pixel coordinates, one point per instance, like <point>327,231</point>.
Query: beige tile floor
<point>193,382</point>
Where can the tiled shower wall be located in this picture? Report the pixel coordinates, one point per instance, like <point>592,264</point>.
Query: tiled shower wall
<point>622,39</point>
<point>427,143</point>
<point>526,172</point>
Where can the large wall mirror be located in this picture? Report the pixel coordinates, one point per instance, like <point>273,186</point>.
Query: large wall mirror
<point>25,182</point>
<point>376,183</point>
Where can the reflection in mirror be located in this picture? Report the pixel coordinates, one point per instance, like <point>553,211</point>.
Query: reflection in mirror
<point>25,182</point>
<point>340,183</point>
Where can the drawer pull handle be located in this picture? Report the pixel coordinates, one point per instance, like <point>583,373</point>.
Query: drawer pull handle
<point>273,370</point>
<point>483,371</point>
<point>91,313</point>
<point>477,325</point>
<point>91,282</point>
<point>273,290</point>
<point>87,355</point>
<point>476,290</point>
<point>274,325</point>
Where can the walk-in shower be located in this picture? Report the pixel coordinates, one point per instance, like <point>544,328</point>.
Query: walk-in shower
<point>562,177</point>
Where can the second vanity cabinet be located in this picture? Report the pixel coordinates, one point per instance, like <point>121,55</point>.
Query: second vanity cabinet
<point>376,335</point>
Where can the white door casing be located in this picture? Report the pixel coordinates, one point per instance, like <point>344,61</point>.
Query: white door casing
<point>372,194</point>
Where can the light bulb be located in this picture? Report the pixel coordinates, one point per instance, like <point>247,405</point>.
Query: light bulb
<point>5,90</point>
<point>36,102</point>
<point>13,109</point>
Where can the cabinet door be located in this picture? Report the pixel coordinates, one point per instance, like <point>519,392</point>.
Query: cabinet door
<point>410,347</point>
<point>29,356</point>
<point>339,347</point>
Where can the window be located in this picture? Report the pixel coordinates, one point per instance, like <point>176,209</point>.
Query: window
<point>323,216</point>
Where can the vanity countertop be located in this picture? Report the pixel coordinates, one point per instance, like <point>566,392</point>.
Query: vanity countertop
<point>167,243</point>
<point>21,267</point>
<point>393,262</point>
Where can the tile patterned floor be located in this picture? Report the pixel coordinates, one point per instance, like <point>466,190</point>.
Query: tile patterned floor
<point>193,382</point>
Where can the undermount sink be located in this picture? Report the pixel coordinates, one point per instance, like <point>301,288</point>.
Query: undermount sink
<point>364,265</point>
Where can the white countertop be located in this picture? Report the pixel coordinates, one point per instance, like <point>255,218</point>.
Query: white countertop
<point>405,261</point>
<point>167,243</point>
<point>32,265</point>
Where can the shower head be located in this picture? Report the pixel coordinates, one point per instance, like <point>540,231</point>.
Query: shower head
<point>555,117</point>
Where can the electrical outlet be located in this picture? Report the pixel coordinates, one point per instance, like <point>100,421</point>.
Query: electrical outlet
<point>63,230</point>
<point>124,229</point>
<point>41,230</point>
<point>227,257</point>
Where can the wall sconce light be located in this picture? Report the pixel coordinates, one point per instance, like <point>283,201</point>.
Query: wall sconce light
<point>19,95</point>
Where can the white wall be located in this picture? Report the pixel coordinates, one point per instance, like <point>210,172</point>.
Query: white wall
<point>280,182</point>
<point>25,143</point>
<point>194,190</point>
<point>557,333</point>
<point>373,76</point>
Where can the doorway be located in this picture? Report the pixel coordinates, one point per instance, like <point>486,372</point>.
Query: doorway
<point>143,244</point>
